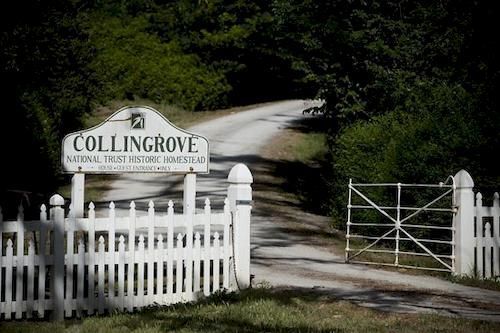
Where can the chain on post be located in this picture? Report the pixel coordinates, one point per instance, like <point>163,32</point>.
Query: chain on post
<point>234,255</point>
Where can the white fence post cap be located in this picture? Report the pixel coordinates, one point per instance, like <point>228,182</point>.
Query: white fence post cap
<point>56,200</point>
<point>463,179</point>
<point>240,174</point>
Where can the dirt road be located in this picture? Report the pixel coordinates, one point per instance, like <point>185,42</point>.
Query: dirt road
<point>282,256</point>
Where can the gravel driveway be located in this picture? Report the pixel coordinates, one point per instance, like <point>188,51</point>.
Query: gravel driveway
<point>282,257</point>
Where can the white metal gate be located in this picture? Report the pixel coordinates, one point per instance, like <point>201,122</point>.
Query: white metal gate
<point>393,237</point>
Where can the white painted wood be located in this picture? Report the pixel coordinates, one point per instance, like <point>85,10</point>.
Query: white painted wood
<point>206,249</point>
<point>100,275</point>
<point>111,262</point>
<point>42,252</point>
<point>131,258</point>
<point>170,251</point>
<point>196,263</point>
<point>30,297</point>
<point>140,272</point>
<point>178,268</point>
<point>57,279</point>
<point>80,273</point>
<point>463,223</point>
<point>9,261</point>
<point>159,258</point>
<point>78,194</point>
<point>488,245</point>
<point>91,260</point>
<point>121,274</point>
<point>184,254</point>
<point>496,233</point>
<point>189,199</point>
<point>216,261</point>
<point>226,240</point>
<point>239,193</point>
<point>188,259</point>
<point>151,257</point>
<point>479,234</point>
<point>20,264</point>
<point>70,234</point>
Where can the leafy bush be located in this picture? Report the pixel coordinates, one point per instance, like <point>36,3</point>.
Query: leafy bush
<point>132,63</point>
<point>423,146</point>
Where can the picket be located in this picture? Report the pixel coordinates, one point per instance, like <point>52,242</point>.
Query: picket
<point>151,259</point>
<point>495,212</point>
<point>9,260</point>
<point>131,258</point>
<point>91,260</point>
<point>121,273</point>
<point>170,251</point>
<point>80,277</point>
<point>30,299</point>
<point>140,272</point>
<point>225,239</point>
<point>487,237</point>
<point>159,258</point>
<point>111,249</point>
<point>196,263</point>
<point>125,274</point>
<point>70,233</point>
<point>19,262</point>
<point>216,262</point>
<point>206,247</point>
<point>42,254</point>
<point>178,268</point>
<point>100,275</point>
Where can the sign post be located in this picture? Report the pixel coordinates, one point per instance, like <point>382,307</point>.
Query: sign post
<point>134,140</point>
<point>77,194</point>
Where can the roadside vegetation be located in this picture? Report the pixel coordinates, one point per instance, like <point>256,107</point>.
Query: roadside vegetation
<point>261,310</point>
<point>410,88</point>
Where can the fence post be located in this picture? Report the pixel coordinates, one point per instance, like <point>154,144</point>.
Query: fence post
<point>78,194</point>
<point>57,280</point>
<point>239,194</point>
<point>463,222</point>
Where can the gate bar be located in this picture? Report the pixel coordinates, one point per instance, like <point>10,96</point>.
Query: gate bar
<point>402,184</point>
<point>426,249</point>
<point>447,210</point>
<point>426,206</point>
<point>398,226</point>
<point>348,222</point>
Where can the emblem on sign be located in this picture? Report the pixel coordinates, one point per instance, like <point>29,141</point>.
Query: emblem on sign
<point>138,120</point>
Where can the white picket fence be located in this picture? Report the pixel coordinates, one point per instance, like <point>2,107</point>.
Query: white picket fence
<point>487,237</point>
<point>92,265</point>
<point>477,230</point>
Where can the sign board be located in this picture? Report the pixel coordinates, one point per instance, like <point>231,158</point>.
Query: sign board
<point>135,140</point>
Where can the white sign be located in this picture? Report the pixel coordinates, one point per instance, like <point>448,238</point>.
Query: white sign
<point>135,139</point>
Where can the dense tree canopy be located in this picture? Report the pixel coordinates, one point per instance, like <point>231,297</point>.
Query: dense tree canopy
<point>411,87</point>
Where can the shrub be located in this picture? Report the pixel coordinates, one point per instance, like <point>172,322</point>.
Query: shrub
<point>132,63</point>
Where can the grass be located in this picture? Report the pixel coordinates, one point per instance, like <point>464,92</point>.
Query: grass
<point>259,310</point>
<point>181,118</point>
<point>472,281</point>
<point>304,149</point>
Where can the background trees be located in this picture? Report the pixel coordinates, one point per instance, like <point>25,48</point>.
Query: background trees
<point>411,88</point>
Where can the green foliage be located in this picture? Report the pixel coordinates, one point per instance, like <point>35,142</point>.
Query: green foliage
<point>419,147</point>
<point>411,88</point>
<point>46,86</point>
<point>131,63</point>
